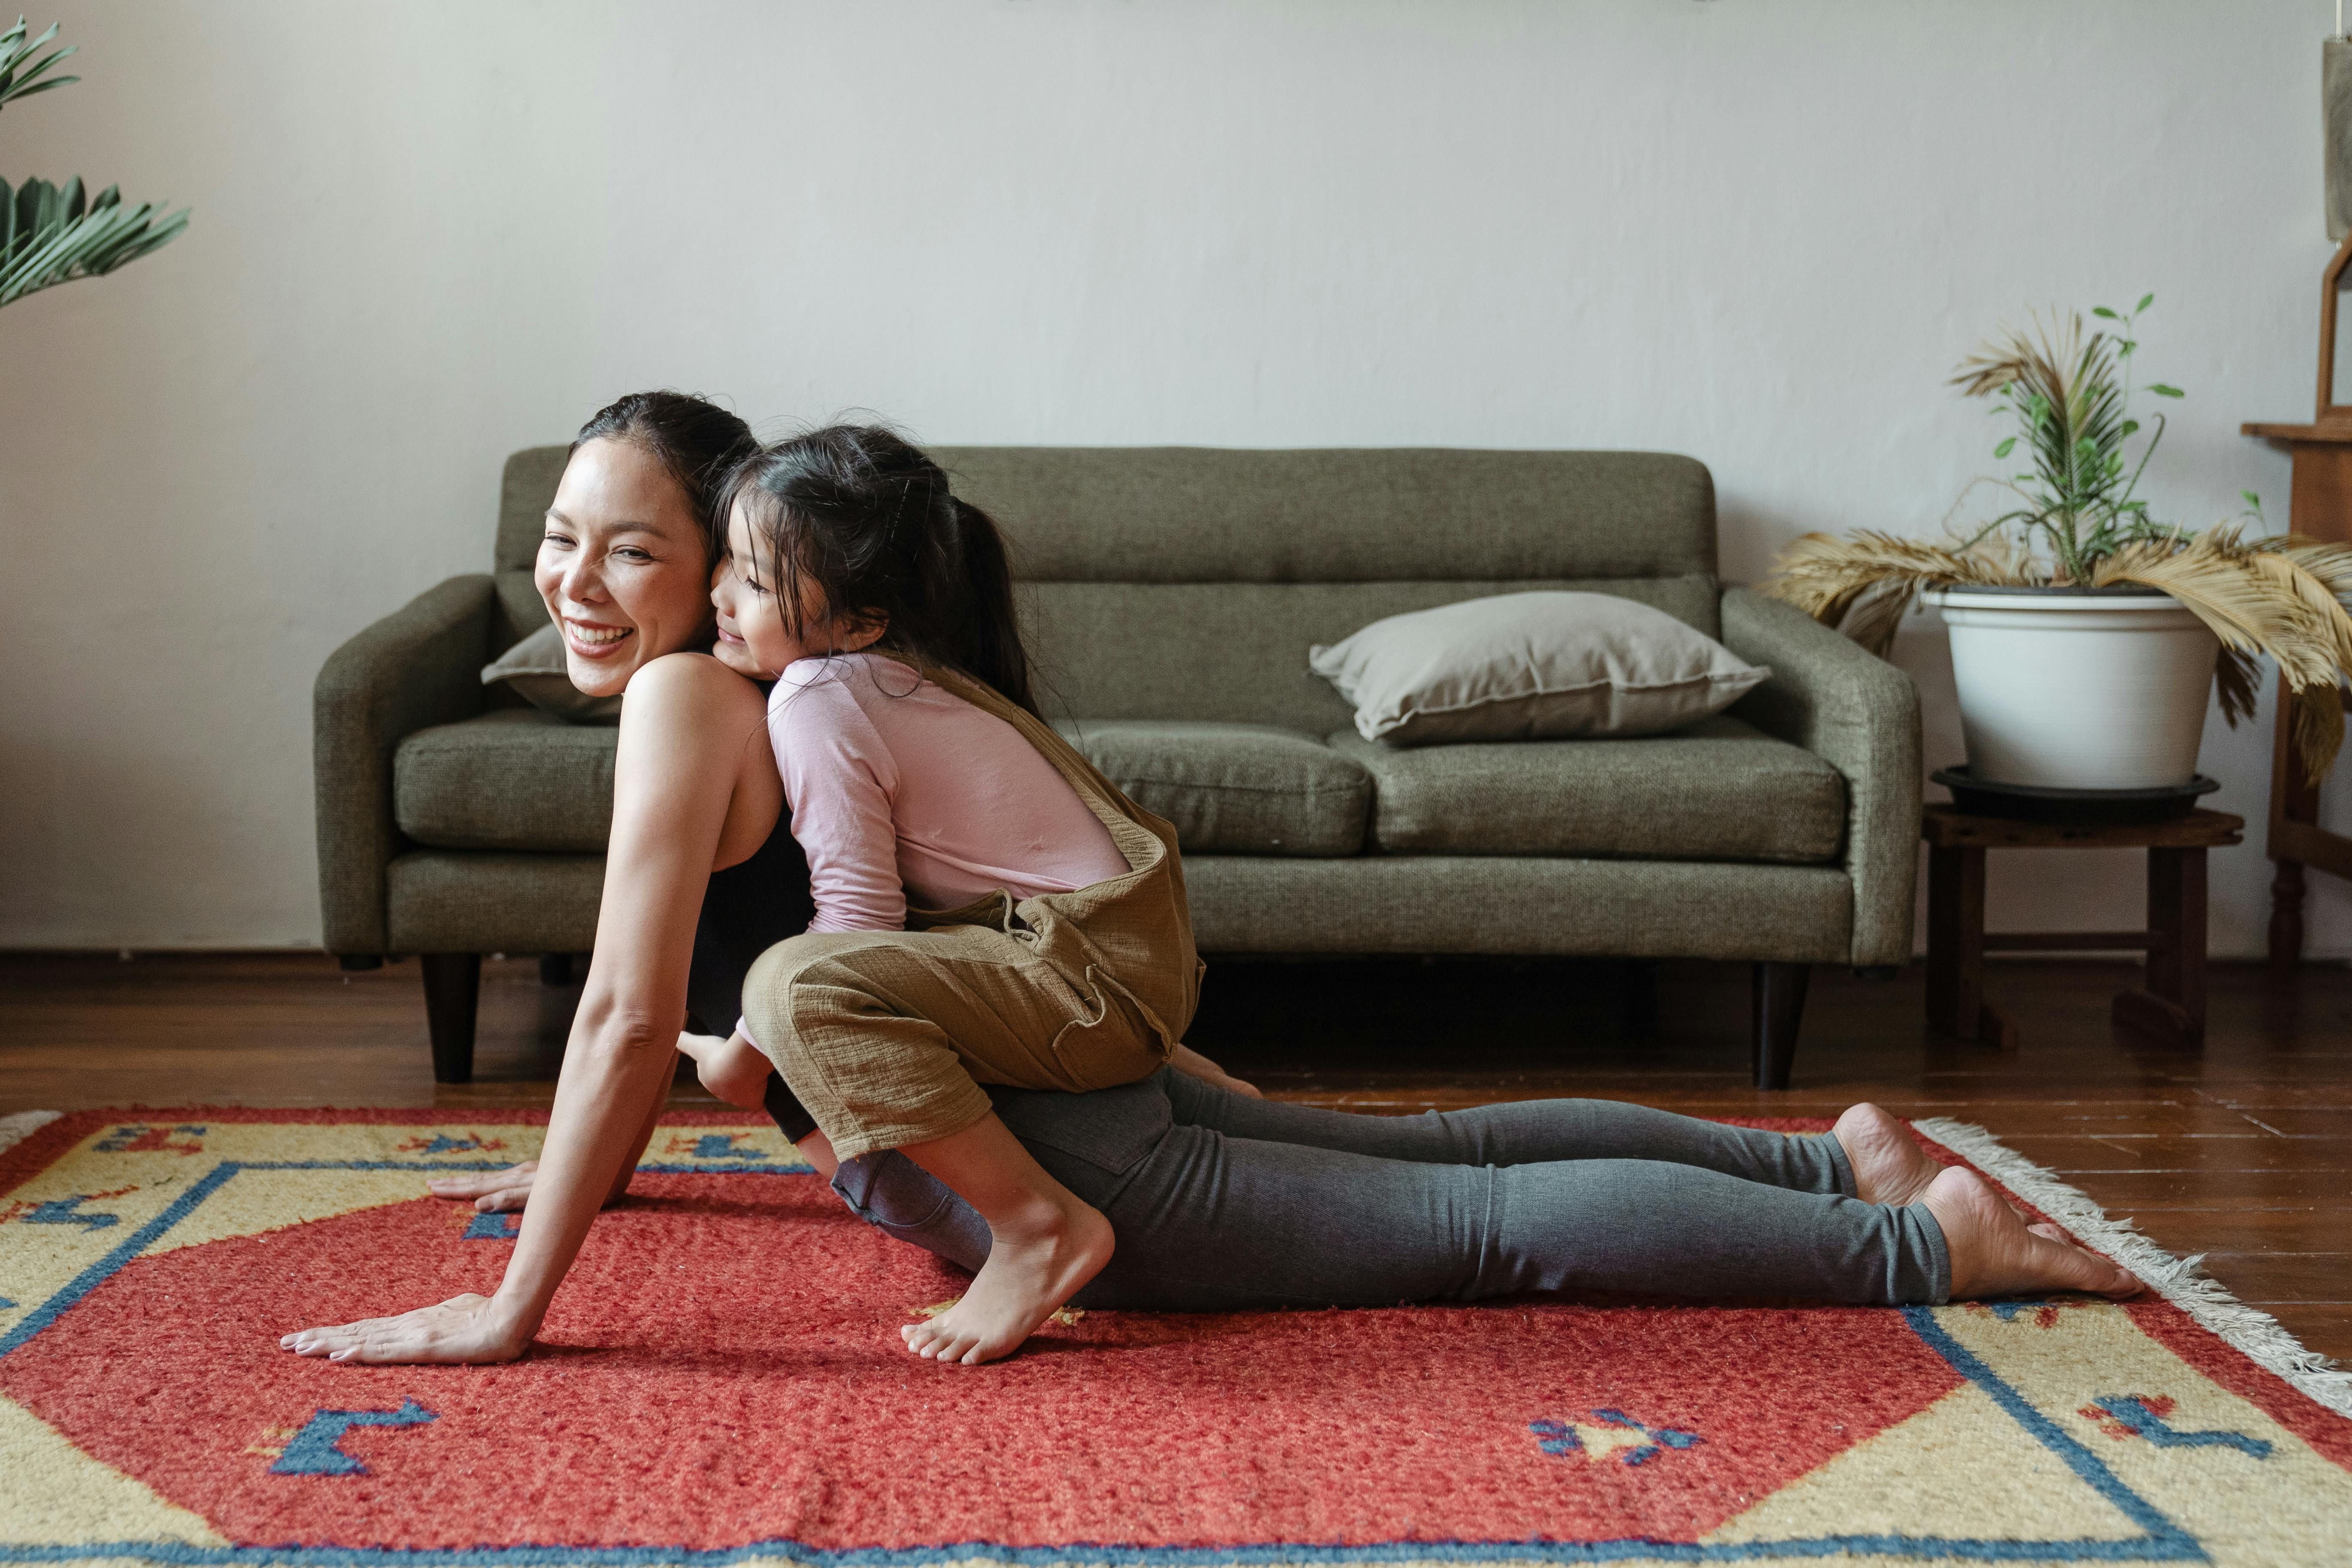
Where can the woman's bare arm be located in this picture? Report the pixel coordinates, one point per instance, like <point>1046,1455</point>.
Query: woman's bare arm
<point>695,787</point>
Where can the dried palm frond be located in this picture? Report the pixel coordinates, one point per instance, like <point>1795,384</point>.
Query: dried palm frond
<point>2331,564</point>
<point>1865,584</point>
<point>2037,361</point>
<point>2222,584</point>
<point>2317,729</point>
<point>2326,569</point>
<point>2321,576</point>
<point>2255,600</point>
<point>2237,684</point>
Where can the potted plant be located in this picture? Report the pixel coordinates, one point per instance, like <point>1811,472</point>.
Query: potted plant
<point>49,234</point>
<point>2085,634</point>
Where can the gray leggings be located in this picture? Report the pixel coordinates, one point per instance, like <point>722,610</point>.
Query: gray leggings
<point>1221,1202</point>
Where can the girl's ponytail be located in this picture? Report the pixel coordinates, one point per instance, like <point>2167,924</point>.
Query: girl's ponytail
<point>870,522</point>
<point>991,632</point>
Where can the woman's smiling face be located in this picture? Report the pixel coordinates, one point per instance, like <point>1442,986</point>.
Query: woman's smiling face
<point>623,567</point>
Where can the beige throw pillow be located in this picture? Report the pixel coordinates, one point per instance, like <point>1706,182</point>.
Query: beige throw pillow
<point>536,669</point>
<point>1525,667</point>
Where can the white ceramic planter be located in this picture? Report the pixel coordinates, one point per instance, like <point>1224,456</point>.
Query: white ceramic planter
<point>2070,690</point>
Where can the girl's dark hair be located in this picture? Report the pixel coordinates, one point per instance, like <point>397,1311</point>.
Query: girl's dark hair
<point>697,441</point>
<point>868,518</point>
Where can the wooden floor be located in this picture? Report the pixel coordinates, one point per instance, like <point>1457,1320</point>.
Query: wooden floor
<point>2242,1151</point>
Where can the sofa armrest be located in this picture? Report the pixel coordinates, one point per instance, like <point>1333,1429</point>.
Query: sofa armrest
<point>1861,715</point>
<point>420,665</point>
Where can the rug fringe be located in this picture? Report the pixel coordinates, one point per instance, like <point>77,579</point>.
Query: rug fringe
<point>2180,1280</point>
<point>15,1128</point>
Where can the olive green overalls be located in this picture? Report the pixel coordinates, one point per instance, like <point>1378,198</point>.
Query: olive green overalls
<point>882,1035</point>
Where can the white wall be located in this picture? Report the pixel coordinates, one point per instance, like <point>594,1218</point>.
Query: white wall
<point>427,234</point>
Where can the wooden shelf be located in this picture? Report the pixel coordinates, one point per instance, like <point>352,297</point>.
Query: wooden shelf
<point>2334,432</point>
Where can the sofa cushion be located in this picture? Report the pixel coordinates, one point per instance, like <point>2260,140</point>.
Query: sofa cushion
<point>514,778</point>
<point>1536,666</point>
<point>1719,790</point>
<point>1235,789</point>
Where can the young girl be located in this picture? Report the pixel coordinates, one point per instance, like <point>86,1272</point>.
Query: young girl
<point>989,907</point>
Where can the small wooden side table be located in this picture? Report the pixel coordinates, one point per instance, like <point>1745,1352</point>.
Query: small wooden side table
<point>2320,505</point>
<point>2170,1006</point>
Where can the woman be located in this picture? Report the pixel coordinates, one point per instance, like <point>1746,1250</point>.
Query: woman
<point>1216,1199</point>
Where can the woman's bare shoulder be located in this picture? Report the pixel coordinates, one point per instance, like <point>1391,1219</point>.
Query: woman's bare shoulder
<point>691,682</point>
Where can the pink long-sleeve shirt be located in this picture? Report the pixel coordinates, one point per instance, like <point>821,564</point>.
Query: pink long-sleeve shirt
<point>900,790</point>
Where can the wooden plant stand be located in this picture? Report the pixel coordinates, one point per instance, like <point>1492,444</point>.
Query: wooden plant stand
<point>2171,1007</point>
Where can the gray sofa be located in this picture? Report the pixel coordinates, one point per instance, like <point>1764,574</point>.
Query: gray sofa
<point>1171,596</point>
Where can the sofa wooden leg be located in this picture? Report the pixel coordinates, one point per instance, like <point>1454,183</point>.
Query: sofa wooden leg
<point>1779,998</point>
<point>453,982</point>
<point>555,969</point>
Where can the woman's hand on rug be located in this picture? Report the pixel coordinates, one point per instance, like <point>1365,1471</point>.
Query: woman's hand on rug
<point>490,1191</point>
<point>502,1192</point>
<point>462,1330</point>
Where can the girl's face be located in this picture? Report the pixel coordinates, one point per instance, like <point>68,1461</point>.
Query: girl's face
<point>752,636</point>
<point>622,566</point>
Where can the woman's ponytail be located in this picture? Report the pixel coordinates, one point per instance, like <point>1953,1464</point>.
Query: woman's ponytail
<point>871,521</point>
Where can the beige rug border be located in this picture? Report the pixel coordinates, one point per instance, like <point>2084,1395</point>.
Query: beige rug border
<point>2182,1281</point>
<point>15,1128</point>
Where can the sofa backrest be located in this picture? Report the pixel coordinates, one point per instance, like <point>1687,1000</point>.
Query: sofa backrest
<point>526,491</point>
<point>1189,581</point>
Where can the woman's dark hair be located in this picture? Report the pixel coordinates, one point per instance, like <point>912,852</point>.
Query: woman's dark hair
<point>696,441</point>
<point>868,519</point>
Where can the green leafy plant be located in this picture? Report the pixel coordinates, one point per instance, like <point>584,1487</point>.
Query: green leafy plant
<point>50,234</point>
<point>2077,520</point>
<point>2069,393</point>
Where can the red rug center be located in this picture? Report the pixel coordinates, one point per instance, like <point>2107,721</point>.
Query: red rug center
<point>723,1367</point>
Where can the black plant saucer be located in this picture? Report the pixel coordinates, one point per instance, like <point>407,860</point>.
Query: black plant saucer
<point>2079,807</point>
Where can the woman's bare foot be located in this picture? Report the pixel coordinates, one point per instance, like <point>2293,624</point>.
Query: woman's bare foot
<point>1994,1253</point>
<point>1889,1166</point>
<point>733,1070</point>
<point>1034,1265</point>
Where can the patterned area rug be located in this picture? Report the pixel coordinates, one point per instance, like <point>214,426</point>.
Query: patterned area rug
<point>722,1383</point>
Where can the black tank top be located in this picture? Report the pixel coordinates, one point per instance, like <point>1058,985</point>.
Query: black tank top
<point>746,909</point>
